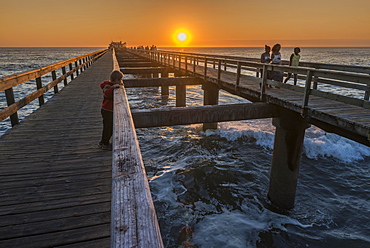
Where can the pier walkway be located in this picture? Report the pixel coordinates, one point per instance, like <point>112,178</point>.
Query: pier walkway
<point>55,183</point>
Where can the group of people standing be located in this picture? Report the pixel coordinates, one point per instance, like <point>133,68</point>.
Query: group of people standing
<point>273,56</point>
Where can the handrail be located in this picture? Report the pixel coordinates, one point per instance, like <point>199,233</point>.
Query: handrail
<point>354,79</point>
<point>7,83</point>
<point>19,78</point>
<point>133,218</point>
<point>336,67</point>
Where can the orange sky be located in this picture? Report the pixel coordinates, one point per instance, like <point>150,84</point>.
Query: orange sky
<point>245,23</point>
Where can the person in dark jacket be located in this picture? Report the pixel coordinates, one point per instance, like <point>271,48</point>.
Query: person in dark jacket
<point>108,87</point>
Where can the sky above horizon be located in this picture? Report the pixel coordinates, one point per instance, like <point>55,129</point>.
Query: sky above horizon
<point>235,23</point>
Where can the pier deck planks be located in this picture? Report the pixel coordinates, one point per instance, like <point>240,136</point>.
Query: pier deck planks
<point>55,183</point>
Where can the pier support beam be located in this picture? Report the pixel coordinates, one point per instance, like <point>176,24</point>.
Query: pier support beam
<point>289,136</point>
<point>211,94</point>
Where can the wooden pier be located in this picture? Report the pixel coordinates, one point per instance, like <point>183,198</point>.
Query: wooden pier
<point>58,189</point>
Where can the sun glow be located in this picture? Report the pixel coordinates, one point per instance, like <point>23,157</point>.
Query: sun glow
<point>181,37</point>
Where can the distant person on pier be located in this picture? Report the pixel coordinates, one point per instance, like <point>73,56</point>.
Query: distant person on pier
<point>266,58</point>
<point>276,60</point>
<point>294,61</point>
<point>107,107</point>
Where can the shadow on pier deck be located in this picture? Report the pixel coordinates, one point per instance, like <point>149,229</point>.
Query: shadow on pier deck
<point>55,182</point>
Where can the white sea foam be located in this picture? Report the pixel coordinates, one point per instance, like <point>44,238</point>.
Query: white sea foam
<point>321,144</point>
<point>242,228</point>
<point>317,143</point>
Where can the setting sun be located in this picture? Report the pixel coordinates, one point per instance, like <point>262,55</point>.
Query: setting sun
<point>181,37</point>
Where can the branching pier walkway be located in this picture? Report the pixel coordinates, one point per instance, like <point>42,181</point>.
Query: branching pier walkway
<point>341,114</point>
<point>55,183</point>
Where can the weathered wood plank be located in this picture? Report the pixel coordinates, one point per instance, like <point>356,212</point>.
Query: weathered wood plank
<point>61,224</point>
<point>59,238</point>
<point>134,222</point>
<point>54,214</point>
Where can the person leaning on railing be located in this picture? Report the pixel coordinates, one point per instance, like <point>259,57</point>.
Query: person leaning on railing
<point>107,107</point>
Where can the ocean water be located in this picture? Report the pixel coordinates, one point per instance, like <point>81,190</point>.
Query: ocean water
<point>209,188</point>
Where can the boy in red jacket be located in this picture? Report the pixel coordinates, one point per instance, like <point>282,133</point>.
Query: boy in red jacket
<point>107,107</point>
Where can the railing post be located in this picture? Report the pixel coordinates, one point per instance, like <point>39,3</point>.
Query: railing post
<point>194,65</point>
<point>205,68</point>
<point>76,66</point>
<point>186,63</point>
<point>307,91</point>
<point>9,94</point>
<point>219,70</point>
<point>70,69</point>
<point>315,81</point>
<point>263,81</point>
<point>64,73</point>
<point>238,71</point>
<point>367,93</point>
<point>179,62</point>
<point>54,77</point>
<point>83,61</point>
<point>39,86</point>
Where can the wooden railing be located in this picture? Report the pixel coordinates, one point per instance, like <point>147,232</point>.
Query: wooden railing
<point>75,65</point>
<point>343,76</point>
<point>134,221</point>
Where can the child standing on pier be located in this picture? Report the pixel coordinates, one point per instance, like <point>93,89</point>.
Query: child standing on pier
<point>107,107</point>
<point>294,61</point>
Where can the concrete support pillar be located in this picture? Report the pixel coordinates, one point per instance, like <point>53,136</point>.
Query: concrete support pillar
<point>181,95</point>
<point>155,75</point>
<point>289,136</point>
<point>211,94</point>
<point>164,89</point>
<point>180,92</point>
